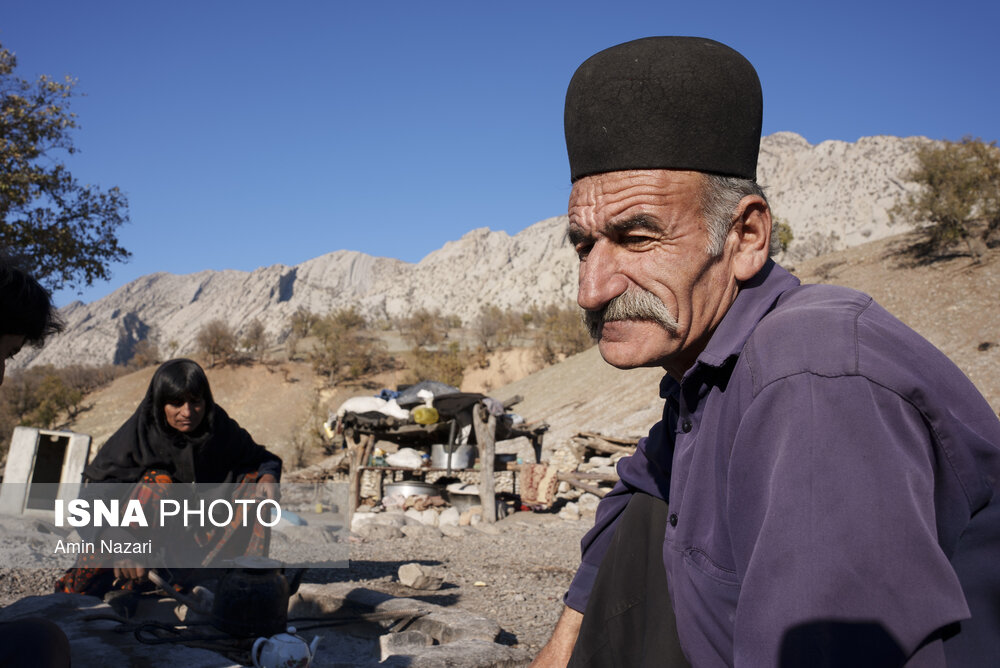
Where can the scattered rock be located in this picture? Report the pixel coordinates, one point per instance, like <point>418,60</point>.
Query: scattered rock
<point>391,518</point>
<point>422,532</point>
<point>448,516</point>
<point>427,517</point>
<point>373,532</point>
<point>571,511</point>
<point>587,504</point>
<point>453,530</point>
<point>466,518</point>
<point>566,457</point>
<point>416,576</point>
<point>404,642</point>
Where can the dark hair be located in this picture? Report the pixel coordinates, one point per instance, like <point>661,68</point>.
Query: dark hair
<point>178,381</point>
<point>25,306</point>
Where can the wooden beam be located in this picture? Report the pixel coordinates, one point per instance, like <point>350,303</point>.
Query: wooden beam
<point>576,482</point>
<point>620,440</point>
<point>577,478</point>
<point>514,400</point>
<point>601,445</point>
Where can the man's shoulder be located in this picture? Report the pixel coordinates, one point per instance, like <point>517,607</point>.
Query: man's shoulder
<point>832,331</point>
<point>811,329</point>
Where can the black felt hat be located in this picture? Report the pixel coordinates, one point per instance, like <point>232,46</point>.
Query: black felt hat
<point>664,103</point>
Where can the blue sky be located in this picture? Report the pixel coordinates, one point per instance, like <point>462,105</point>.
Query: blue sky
<point>251,133</point>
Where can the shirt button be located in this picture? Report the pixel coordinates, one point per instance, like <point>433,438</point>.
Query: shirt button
<point>673,519</point>
<point>686,426</point>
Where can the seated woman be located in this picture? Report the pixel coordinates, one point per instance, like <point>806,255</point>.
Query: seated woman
<point>178,434</point>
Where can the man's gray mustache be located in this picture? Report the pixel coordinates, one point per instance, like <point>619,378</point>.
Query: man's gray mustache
<point>633,304</point>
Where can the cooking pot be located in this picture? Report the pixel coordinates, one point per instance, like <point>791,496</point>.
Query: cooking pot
<point>407,488</point>
<point>461,456</point>
<point>252,598</point>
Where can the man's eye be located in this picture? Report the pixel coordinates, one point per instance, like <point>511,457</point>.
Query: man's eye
<point>583,250</point>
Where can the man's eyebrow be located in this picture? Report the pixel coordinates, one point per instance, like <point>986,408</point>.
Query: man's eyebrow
<point>641,221</point>
<point>637,222</point>
<point>575,234</point>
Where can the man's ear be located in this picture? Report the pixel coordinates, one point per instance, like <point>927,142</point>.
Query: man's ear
<point>752,228</point>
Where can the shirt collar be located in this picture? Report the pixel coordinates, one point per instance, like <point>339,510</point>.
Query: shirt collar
<point>755,299</point>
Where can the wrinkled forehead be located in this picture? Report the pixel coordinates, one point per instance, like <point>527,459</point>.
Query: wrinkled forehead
<point>599,199</point>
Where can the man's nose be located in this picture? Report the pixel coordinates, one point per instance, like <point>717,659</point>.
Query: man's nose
<point>600,280</point>
<point>185,409</point>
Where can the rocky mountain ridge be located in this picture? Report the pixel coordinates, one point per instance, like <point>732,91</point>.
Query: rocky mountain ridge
<point>833,195</point>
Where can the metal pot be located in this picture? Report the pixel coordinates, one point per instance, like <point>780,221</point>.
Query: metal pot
<point>252,598</point>
<point>461,456</point>
<point>407,488</point>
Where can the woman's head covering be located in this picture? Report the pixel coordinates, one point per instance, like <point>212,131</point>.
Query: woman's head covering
<point>176,382</point>
<point>218,451</point>
<point>146,441</point>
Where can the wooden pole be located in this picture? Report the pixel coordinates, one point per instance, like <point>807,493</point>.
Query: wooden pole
<point>357,460</point>
<point>486,440</point>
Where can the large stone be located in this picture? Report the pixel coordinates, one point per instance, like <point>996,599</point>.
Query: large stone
<point>448,516</point>
<point>404,642</point>
<point>488,529</point>
<point>453,530</point>
<point>379,532</point>
<point>570,511</point>
<point>415,576</point>
<point>422,532</point>
<point>587,504</point>
<point>462,638</point>
<point>428,517</point>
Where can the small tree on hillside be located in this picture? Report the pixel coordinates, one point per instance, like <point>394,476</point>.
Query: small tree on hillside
<point>217,340</point>
<point>496,328</point>
<point>345,349</point>
<point>445,366</point>
<point>255,340</point>
<point>561,333</point>
<point>781,236</point>
<point>959,194</point>
<point>146,353</point>
<point>424,328</point>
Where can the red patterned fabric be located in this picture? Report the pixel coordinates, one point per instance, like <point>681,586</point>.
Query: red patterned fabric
<point>218,543</point>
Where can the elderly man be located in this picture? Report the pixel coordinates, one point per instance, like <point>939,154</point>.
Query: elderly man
<point>832,478</point>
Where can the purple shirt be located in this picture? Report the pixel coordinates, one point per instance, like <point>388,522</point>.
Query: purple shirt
<point>824,463</point>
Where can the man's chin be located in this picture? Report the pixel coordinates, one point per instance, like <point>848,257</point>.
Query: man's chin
<point>625,354</point>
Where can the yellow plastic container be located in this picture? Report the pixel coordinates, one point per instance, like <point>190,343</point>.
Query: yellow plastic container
<point>425,415</point>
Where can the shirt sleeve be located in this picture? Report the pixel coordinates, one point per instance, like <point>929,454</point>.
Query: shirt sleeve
<point>832,518</point>
<point>648,470</point>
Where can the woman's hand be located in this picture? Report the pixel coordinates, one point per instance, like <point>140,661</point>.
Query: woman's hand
<point>267,488</point>
<point>127,569</point>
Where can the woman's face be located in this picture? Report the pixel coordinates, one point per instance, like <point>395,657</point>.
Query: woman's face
<point>185,417</point>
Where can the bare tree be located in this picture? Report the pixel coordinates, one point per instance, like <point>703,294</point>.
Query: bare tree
<point>255,340</point>
<point>217,340</point>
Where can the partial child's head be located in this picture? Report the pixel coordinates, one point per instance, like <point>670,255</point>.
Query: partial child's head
<point>26,312</point>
